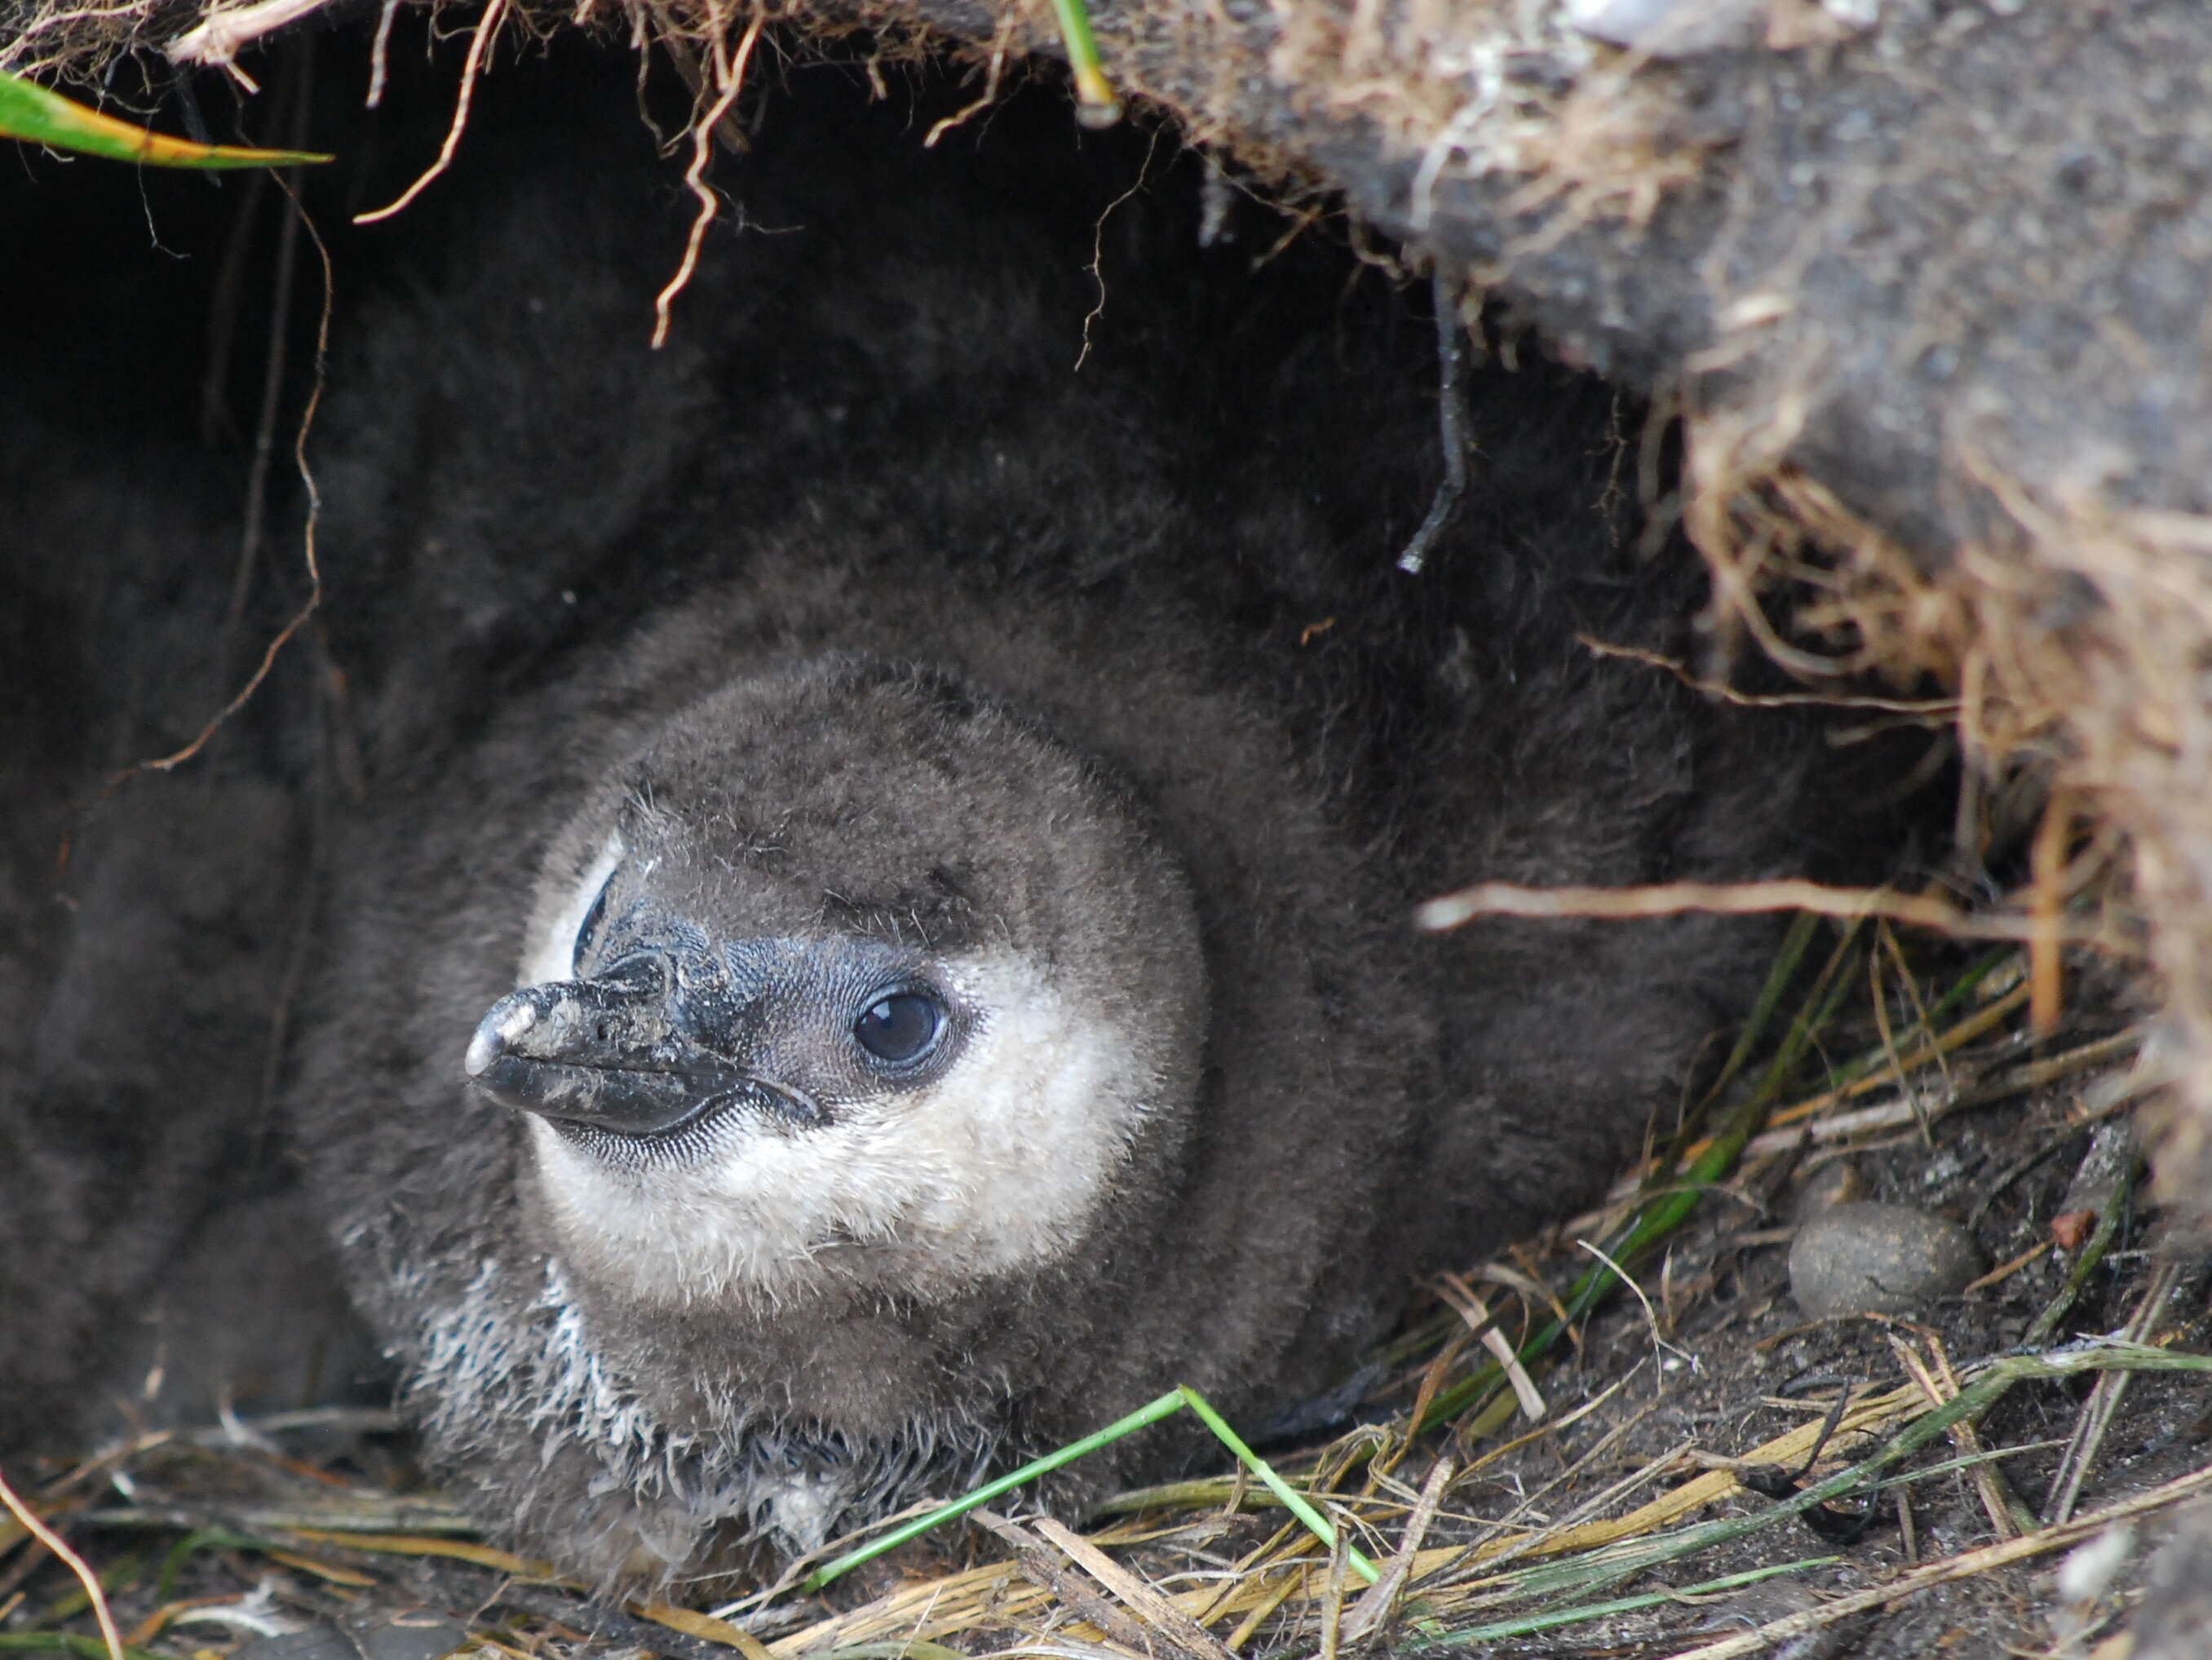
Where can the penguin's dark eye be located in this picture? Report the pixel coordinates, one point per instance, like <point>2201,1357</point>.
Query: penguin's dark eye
<point>900,1028</point>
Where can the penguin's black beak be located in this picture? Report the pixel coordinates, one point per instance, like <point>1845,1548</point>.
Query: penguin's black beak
<point>609,1053</point>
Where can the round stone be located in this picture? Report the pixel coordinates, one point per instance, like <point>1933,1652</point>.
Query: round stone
<point>1868,1258</point>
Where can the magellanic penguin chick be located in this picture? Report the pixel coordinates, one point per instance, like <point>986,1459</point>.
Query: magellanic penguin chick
<point>869,1084</point>
<point>876,940</point>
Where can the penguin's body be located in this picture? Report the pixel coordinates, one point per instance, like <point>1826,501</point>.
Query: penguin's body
<point>798,1307</point>
<point>866,928</point>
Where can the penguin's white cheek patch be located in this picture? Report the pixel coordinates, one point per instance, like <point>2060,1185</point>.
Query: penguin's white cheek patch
<point>1031,1122</point>
<point>997,1166</point>
<point>548,952</point>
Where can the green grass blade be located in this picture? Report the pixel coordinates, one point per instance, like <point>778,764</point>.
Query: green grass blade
<point>1166,1405</point>
<point>1795,943</point>
<point>1295,1502</point>
<point>1151,1413</point>
<point>1096,105</point>
<point>173,1564</point>
<point>29,111</point>
<point>1529,1625</point>
<point>2116,1209</point>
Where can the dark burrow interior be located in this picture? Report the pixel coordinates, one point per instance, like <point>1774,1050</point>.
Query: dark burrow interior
<point>1108,363</point>
<point>1114,317</point>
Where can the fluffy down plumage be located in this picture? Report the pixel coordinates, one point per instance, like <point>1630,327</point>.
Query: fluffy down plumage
<point>859,645</point>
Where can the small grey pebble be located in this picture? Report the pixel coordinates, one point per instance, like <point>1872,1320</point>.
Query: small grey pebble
<point>1865,1258</point>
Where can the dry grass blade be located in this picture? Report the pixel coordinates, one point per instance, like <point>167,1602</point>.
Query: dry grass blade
<point>1041,1569</point>
<point>1265,1608</point>
<point>2096,1414</point>
<point>216,39</point>
<point>1938,1386</point>
<point>927,1610</point>
<point>1167,1617</point>
<point>1576,1531</point>
<point>1332,1605</point>
<point>1784,1134</point>
<point>1839,1127</point>
<point>1469,1306</point>
<point>1962,1567</point>
<point>704,1626</point>
<point>34,1524</point>
<point>1751,898</point>
<point>1366,1616</point>
<point>398,1544</point>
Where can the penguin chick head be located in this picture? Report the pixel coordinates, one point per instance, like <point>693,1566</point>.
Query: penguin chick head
<point>848,981</point>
